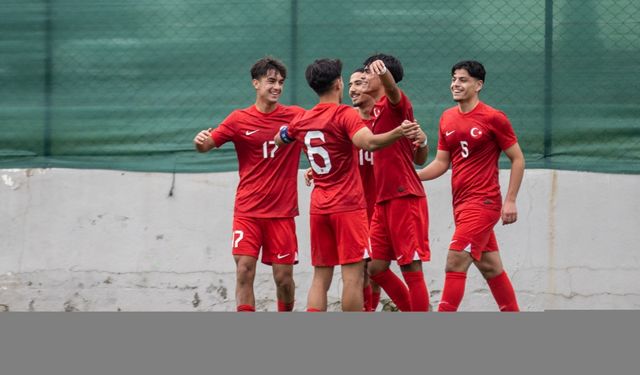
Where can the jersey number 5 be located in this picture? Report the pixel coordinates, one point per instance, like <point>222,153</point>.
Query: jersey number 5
<point>317,150</point>
<point>465,149</point>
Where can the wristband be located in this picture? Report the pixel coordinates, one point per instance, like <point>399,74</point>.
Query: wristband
<point>424,144</point>
<point>383,71</point>
<point>284,134</point>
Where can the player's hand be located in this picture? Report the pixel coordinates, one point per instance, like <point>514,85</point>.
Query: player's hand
<point>509,213</point>
<point>308,177</point>
<point>203,140</point>
<point>377,67</point>
<point>410,129</point>
<point>421,139</point>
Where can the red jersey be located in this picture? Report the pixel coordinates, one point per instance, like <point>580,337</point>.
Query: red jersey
<point>395,173</point>
<point>365,166</point>
<point>326,131</point>
<point>268,186</point>
<point>475,141</point>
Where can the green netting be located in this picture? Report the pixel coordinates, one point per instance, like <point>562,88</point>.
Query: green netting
<point>126,85</point>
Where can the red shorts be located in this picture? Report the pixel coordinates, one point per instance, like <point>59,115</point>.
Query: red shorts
<point>474,230</point>
<point>276,237</point>
<point>400,230</point>
<point>339,238</point>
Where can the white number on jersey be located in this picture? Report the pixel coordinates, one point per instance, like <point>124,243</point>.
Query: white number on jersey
<point>365,156</point>
<point>238,235</point>
<point>265,149</point>
<point>465,149</point>
<point>317,150</point>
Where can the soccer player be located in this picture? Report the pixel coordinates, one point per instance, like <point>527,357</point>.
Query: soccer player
<point>399,228</point>
<point>267,196</point>
<point>472,136</point>
<point>363,103</point>
<point>339,228</point>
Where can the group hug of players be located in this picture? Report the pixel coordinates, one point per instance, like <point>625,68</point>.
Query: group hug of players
<point>368,203</point>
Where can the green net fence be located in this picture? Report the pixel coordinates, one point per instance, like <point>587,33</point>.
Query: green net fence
<point>127,84</point>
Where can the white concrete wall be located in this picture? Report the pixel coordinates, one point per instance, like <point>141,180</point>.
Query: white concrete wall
<point>108,240</point>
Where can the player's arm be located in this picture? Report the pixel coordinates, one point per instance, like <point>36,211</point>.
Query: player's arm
<point>366,140</point>
<point>391,89</point>
<point>203,141</point>
<point>509,209</point>
<point>419,139</point>
<point>282,137</point>
<point>437,167</point>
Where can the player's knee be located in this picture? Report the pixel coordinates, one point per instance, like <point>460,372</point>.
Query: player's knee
<point>245,272</point>
<point>489,271</point>
<point>375,268</point>
<point>284,280</point>
<point>458,261</point>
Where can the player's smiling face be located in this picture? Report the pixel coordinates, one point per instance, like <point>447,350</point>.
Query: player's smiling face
<point>372,81</point>
<point>269,87</point>
<point>463,86</point>
<point>357,84</point>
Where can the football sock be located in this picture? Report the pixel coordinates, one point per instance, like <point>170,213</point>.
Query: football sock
<point>503,292</point>
<point>311,309</point>
<point>395,289</point>
<point>246,308</point>
<point>375,299</point>
<point>417,290</point>
<point>453,291</point>
<point>285,306</point>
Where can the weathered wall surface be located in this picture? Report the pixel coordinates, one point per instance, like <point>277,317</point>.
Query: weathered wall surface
<point>108,240</point>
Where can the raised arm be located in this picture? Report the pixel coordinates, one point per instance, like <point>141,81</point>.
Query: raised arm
<point>509,209</point>
<point>391,89</point>
<point>437,167</point>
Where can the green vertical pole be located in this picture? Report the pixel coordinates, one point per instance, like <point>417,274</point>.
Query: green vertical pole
<point>293,68</point>
<point>548,81</point>
<point>48,76</point>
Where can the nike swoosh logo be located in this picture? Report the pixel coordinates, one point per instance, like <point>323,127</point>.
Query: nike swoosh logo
<point>251,132</point>
<point>449,133</point>
<point>282,256</point>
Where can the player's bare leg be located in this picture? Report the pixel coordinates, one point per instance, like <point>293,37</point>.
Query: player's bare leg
<point>490,265</point>
<point>245,275</point>
<point>352,282</point>
<point>375,294</point>
<point>458,261</point>
<point>317,298</point>
<point>285,286</point>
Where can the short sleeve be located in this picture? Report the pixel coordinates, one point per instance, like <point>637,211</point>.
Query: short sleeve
<point>352,121</point>
<point>442,143</point>
<point>505,136</point>
<point>225,131</point>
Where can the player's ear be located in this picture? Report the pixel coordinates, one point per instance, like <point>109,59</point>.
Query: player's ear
<point>255,83</point>
<point>479,85</point>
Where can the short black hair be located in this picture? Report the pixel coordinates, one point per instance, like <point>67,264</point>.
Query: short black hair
<point>322,73</point>
<point>475,69</point>
<point>262,67</point>
<point>393,65</point>
<point>358,70</point>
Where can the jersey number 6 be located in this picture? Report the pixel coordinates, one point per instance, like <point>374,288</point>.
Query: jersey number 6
<point>317,150</point>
